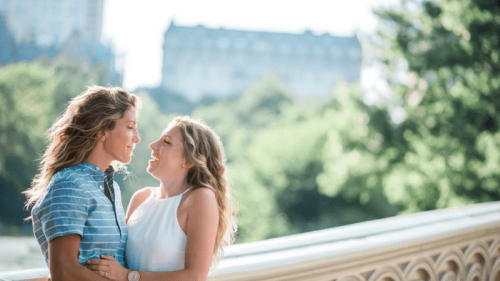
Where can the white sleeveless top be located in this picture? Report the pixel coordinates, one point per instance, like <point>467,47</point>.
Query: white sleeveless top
<point>155,240</point>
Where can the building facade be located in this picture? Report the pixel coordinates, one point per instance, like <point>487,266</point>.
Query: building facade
<point>55,29</point>
<point>52,22</point>
<point>7,44</point>
<point>199,61</point>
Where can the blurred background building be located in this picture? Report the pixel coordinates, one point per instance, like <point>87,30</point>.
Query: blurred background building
<point>52,22</point>
<point>30,29</point>
<point>220,63</point>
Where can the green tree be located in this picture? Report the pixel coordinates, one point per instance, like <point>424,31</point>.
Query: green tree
<point>325,167</point>
<point>32,95</point>
<point>449,147</point>
<point>168,103</point>
<point>236,121</point>
<point>25,92</point>
<point>296,167</point>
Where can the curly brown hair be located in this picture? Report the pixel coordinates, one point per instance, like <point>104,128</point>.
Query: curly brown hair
<point>75,132</point>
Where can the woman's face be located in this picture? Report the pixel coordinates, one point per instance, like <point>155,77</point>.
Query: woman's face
<point>167,154</point>
<point>119,143</point>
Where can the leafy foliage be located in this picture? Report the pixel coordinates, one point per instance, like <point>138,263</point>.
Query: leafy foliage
<point>292,159</point>
<point>450,138</point>
<point>31,97</point>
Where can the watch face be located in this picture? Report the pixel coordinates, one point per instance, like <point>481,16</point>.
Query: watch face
<point>133,276</point>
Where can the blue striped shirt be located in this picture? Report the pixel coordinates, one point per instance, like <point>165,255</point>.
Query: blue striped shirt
<point>75,203</point>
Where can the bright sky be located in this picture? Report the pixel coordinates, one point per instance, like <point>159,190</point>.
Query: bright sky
<point>136,28</point>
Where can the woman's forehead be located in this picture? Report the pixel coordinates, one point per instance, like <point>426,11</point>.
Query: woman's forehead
<point>130,115</point>
<point>172,131</point>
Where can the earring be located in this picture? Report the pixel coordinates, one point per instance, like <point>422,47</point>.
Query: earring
<point>103,138</point>
<point>183,165</point>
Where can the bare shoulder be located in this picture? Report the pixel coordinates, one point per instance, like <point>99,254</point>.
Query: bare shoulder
<point>200,195</point>
<point>143,193</point>
<point>200,199</point>
<point>137,199</point>
<point>197,208</point>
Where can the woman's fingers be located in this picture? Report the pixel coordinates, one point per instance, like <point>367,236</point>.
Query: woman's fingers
<point>108,257</point>
<point>101,262</point>
<point>97,267</point>
<point>108,267</point>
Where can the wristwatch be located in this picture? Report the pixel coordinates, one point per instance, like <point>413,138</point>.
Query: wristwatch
<point>133,275</point>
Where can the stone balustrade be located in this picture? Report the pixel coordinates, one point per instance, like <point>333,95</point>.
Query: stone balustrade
<point>446,245</point>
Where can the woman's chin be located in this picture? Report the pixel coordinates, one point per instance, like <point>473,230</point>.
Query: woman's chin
<point>150,170</point>
<point>124,159</point>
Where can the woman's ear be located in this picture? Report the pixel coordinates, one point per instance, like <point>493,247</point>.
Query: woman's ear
<point>101,135</point>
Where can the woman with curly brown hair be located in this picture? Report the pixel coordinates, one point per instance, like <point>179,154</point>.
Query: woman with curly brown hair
<point>78,214</point>
<point>177,231</point>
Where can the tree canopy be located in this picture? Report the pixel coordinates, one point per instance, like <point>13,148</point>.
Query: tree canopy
<point>449,144</point>
<point>32,95</point>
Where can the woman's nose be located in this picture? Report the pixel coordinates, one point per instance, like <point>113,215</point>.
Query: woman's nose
<point>137,137</point>
<point>152,145</point>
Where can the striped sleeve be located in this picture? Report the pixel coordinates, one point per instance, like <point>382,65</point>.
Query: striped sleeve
<point>64,210</point>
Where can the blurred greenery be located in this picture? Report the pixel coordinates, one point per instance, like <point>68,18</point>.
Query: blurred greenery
<point>31,97</point>
<point>448,145</point>
<point>299,164</point>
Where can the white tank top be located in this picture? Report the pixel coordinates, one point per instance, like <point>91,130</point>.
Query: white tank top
<point>155,240</point>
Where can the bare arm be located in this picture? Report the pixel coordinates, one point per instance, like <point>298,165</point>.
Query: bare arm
<point>63,260</point>
<point>201,229</point>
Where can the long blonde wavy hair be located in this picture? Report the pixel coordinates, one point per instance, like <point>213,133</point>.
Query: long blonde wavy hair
<point>75,132</point>
<point>203,148</point>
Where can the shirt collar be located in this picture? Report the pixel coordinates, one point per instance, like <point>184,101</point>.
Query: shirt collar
<point>96,171</point>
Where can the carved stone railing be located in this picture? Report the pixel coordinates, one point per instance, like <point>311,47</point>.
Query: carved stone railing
<point>452,244</point>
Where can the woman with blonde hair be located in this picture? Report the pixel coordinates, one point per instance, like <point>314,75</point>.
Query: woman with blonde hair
<point>78,214</point>
<point>177,231</point>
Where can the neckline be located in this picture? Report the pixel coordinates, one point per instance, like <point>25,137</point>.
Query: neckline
<point>154,191</point>
<point>96,171</point>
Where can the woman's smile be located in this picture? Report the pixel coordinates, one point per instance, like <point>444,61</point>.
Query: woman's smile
<point>154,158</point>
<point>170,149</point>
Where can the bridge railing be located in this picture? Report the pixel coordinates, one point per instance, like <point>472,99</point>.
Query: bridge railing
<point>451,244</point>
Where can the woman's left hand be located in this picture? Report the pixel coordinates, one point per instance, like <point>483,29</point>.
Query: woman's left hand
<point>108,267</point>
